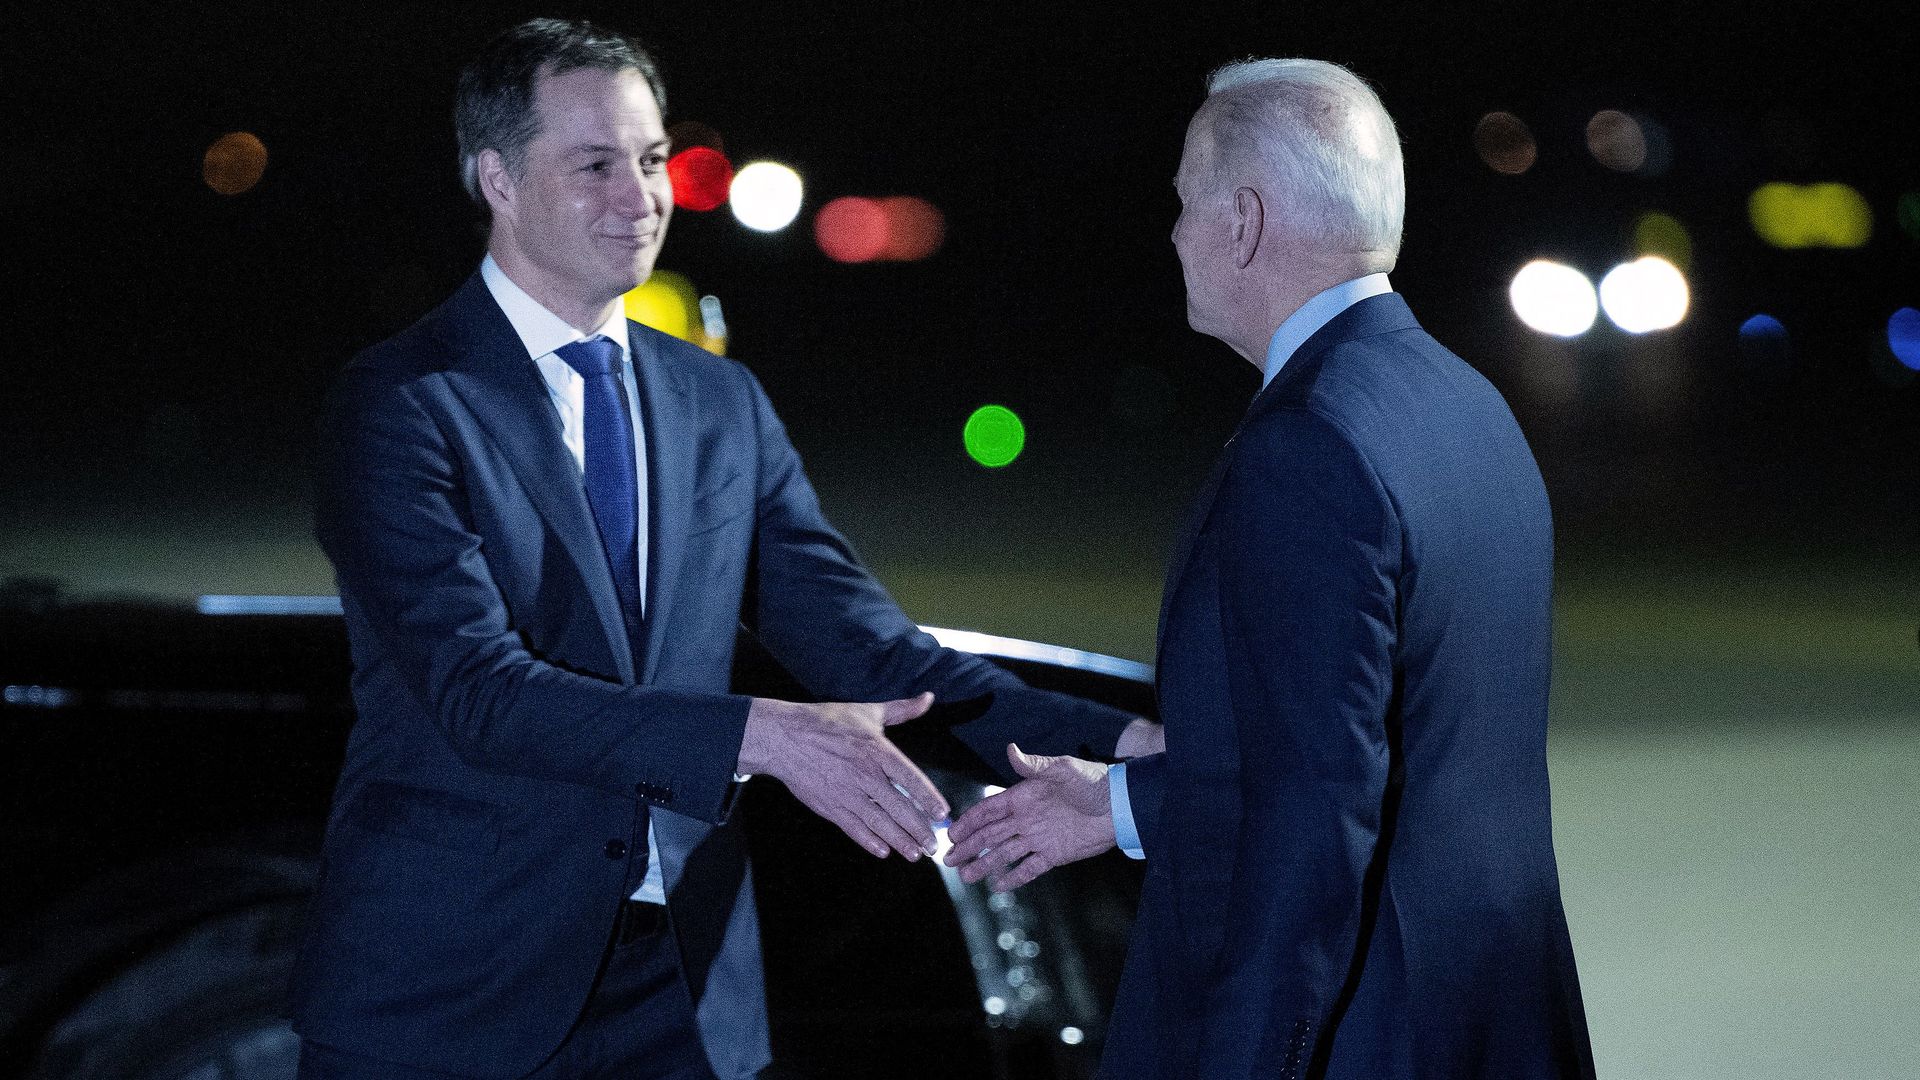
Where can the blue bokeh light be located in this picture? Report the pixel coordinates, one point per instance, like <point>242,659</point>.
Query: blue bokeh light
<point>1763,329</point>
<point>1903,337</point>
<point>1768,350</point>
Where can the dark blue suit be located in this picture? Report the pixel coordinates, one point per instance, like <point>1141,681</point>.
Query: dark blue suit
<point>1350,862</point>
<point>512,744</point>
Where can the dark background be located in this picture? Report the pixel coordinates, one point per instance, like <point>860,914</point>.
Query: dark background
<point>1736,749</point>
<point>170,344</point>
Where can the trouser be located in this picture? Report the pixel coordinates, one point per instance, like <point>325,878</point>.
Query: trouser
<point>638,1023</point>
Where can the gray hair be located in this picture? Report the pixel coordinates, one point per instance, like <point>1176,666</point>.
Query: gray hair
<point>1320,131</point>
<point>493,99</point>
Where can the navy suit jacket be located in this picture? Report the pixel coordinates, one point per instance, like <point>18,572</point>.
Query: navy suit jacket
<point>1350,861</point>
<point>512,744</point>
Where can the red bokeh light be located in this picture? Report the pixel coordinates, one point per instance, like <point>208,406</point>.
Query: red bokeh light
<point>899,228</point>
<point>851,229</point>
<point>915,228</point>
<point>701,176</point>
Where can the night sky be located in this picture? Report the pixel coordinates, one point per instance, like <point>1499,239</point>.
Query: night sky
<point>171,345</point>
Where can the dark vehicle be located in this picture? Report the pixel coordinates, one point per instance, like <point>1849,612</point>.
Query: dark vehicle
<point>169,768</point>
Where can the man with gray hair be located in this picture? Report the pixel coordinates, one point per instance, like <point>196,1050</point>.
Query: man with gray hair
<point>1350,866</point>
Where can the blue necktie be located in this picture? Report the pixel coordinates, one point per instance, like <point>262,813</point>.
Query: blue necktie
<point>612,480</point>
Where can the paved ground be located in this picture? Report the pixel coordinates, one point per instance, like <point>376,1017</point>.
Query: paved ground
<point>1736,761</point>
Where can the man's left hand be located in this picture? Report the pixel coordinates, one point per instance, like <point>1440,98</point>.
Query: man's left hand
<point>1059,814</point>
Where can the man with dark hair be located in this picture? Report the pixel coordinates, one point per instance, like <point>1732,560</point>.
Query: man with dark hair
<point>548,524</point>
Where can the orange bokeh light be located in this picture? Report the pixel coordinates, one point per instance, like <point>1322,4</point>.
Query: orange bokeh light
<point>1504,143</point>
<point>234,163</point>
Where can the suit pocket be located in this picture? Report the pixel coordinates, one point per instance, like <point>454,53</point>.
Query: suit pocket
<point>430,816</point>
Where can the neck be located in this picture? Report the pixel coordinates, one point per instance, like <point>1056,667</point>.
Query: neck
<point>586,315</point>
<point>1286,298</point>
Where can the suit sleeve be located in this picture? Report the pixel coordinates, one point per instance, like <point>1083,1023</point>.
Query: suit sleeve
<point>392,517</point>
<point>823,616</point>
<point>1310,552</point>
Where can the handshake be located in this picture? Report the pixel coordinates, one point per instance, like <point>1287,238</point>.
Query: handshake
<point>836,759</point>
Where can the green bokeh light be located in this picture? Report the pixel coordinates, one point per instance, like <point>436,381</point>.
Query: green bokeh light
<point>1909,212</point>
<point>994,436</point>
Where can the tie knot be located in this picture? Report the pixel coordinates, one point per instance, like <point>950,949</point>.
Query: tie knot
<point>592,358</point>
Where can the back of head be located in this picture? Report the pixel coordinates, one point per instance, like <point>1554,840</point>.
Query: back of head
<point>493,105</point>
<point>1319,136</point>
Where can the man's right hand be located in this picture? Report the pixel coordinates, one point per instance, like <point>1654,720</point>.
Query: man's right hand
<point>835,757</point>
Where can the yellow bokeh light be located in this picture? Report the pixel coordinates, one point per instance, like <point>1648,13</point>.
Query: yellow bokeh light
<point>1660,234</point>
<point>667,302</point>
<point>1815,215</point>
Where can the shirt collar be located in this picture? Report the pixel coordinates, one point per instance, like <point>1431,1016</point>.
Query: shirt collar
<point>1315,314</point>
<point>540,330</point>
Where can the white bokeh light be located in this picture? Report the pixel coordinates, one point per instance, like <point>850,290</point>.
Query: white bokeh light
<point>1553,298</point>
<point>765,196</point>
<point>1646,294</point>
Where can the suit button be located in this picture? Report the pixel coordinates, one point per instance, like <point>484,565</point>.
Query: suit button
<point>616,849</point>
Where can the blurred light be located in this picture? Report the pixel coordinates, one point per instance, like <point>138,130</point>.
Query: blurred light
<point>766,196</point>
<point>267,605</point>
<point>1616,140</point>
<point>899,228</point>
<point>994,436</point>
<point>667,302</point>
<point>1908,211</point>
<point>1072,1036</point>
<point>234,163</point>
<point>700,176</point>
<point>1663,235</point>
<point>1818,215</point>
<point>1903,337</point>
<point>38,697</point>
<point>1644,295</point>
<point>994,1006</point>
<point>1504,143</point>
<point>915,228</point>
<point>851,229</point>
<point>686,134</point>
<point>713,322</point>
<point>1553,298</point>
<point>1764,341</point>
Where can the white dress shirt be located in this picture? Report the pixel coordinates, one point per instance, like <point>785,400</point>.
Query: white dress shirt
<point>542,333</point>
<point>1292,334</point>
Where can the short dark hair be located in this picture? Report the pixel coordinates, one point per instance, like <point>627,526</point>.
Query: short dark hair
<point>493,99</point>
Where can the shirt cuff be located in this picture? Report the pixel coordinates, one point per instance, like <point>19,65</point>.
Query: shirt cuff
<point>1125,834</point>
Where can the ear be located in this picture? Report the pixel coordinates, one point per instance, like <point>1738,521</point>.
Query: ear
<point>496,183</point>
<point>1249,225</point>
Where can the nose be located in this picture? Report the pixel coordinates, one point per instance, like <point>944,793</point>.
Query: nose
<point>636,195</point>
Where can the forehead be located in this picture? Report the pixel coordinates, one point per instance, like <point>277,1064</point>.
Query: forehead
<point>594,101</point>
<point>1196,153</point>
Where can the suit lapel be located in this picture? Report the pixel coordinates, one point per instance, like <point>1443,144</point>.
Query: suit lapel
<point>503,390</point>
<point>667,410</point>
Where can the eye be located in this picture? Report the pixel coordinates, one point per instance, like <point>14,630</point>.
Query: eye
<point>653,163</point>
